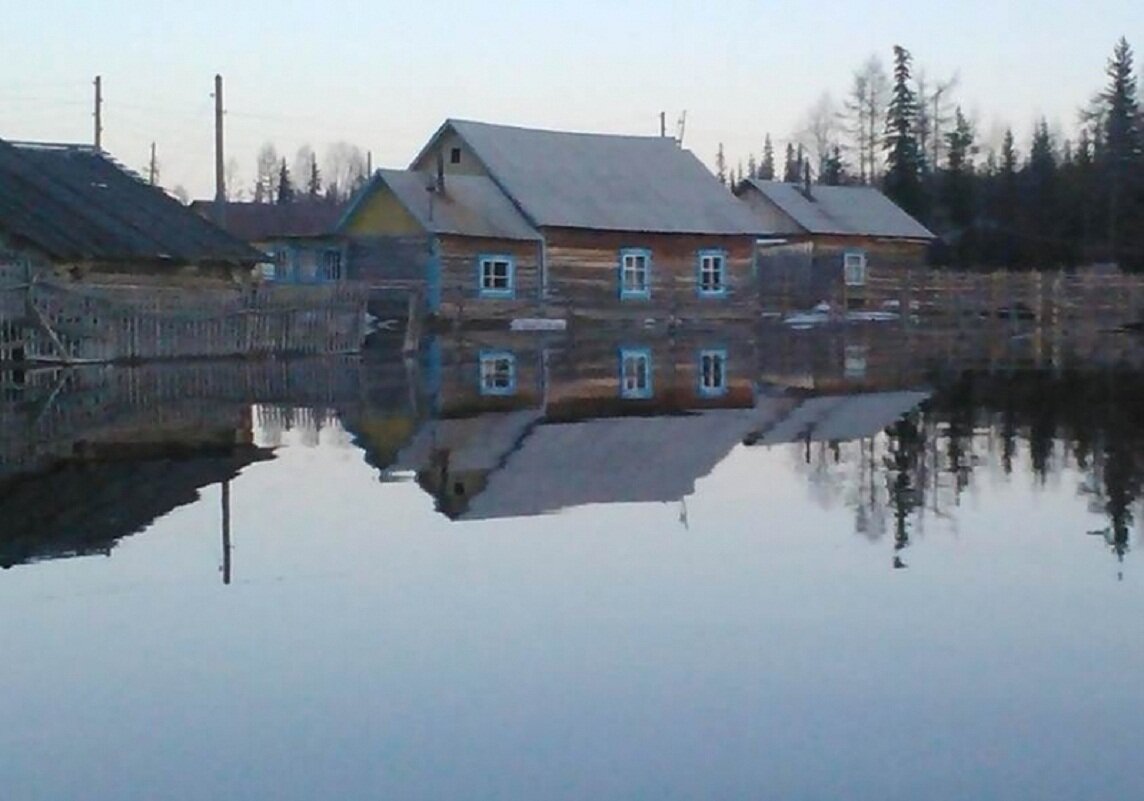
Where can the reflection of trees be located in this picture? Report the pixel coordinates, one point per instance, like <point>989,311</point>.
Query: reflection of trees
<point>1042,422</point>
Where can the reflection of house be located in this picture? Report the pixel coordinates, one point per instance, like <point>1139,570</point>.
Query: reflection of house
<point>845,234</point>
<point>297,238</point>
<point>839,418</point>
<point>623,224</point>
<point>81,508</point>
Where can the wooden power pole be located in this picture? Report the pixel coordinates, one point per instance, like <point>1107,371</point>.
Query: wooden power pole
<point>220,166</point>
<point>98,112</point>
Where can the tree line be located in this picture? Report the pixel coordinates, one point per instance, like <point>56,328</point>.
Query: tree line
<point>1055,201</point>
<point>343,170</point>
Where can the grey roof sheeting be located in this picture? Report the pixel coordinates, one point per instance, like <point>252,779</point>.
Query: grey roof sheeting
<point>74,203</point>
<point>842,210</point>
<point>471,205</point>
<point>604,182</point>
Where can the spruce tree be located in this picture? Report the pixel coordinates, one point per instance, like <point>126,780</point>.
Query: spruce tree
<point>752,167</point>
<point>721,165</point>
<point>767,168</point>
<point>902,181</point>
<point>1122,142</point>
<point>285,188</point>
<point>314,185</point>
<point>833,168</point>
<point>791,171</point>
<point>957,189</point>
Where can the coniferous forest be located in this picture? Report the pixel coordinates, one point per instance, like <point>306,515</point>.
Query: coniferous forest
<point>1057,201</point>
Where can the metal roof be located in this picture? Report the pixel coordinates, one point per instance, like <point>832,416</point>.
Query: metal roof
<point>74,203</point>
<point>471,205</point>
<point>263,222</point>
<point>842,210</point>
<point>603,182</point>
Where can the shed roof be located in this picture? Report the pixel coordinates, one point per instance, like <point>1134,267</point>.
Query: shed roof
<point>263,222</point>
<point>74,203</point>
<point>471,205</point>
<point>842,210</point>
<point>602,181</point>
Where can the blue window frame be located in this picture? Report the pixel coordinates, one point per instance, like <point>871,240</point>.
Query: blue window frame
<point>635,373</point>
<point>635,274</point>
<point>496,276</point>
<point>711,273</point>
<point>497,373</point>
<point>854,267</point>
<point>712,373</point>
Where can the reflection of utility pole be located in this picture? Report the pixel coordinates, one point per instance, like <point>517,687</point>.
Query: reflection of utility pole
<point>226,532</point>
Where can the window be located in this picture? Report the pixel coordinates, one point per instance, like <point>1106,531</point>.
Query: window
<point>712,273</point>
<point>635,373</point>
<point>332,265</point>
<point>854,268</point>
<point>712,373</point>
<point>455,156</point>
<point>498,373</point>
<point>496,276</point>
<point>635,273</point>
<point>854,361</point>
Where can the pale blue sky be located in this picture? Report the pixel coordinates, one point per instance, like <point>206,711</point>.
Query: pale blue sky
<point>384,75</point>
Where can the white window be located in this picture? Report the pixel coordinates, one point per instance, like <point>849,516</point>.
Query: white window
<point>635,273</point>
<point>854,268</point>
<point>854,361</point>
<point>497,277</point>
<point>498,373</point>
<point>712,272</point>
<point>712,372</point>
<point>635,373</point>
<point>332,265</point>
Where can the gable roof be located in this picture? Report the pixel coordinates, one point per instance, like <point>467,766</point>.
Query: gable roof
<point>74,203</point>
<point>842,210</point>
<point>601,181</point>
<point>262,222</point>
<point>471,205</point>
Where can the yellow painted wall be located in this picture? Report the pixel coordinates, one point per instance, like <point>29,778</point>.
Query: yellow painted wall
<point>381,214</point>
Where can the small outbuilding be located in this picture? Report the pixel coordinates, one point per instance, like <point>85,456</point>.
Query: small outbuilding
<point>824,241</point>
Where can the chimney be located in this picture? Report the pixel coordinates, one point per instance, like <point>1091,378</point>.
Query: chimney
<point>806,181</point>
<point>441,171</point>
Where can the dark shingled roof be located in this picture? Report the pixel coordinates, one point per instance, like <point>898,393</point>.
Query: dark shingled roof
<point>602,181</point>
<point>74,203</point>
<point>265,222</point>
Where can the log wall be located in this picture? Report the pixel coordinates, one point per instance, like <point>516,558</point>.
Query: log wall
<point>584,275</point>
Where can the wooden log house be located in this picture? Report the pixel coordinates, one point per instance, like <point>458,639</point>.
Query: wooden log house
<point>828,242</point>
<point>97,265</point>
<point>612,227</point>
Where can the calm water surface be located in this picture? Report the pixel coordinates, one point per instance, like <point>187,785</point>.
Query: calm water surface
<point>510,569</point>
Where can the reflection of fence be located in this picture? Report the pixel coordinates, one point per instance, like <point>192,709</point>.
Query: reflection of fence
<point>87,322</point>
<point>62,413</point>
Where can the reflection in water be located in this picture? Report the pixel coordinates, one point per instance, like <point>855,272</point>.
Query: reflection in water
<point>498,426</point>
<point>624,565</point>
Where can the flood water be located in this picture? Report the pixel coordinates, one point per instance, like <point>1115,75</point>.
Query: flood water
<point>635,566</point>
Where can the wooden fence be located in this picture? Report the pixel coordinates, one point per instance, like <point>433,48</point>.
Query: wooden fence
<point>1002,300</point>
<point>81,322</point>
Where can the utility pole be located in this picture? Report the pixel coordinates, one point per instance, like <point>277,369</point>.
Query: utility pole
<point>153,169</point>
<point>98,112</point>
<point>220,170</point>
